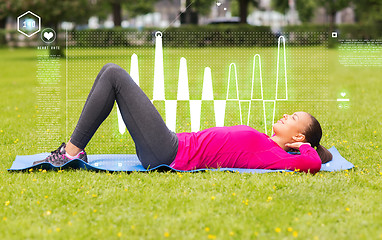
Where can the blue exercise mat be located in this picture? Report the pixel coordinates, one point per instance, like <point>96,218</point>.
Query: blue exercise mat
<point>130,163</point>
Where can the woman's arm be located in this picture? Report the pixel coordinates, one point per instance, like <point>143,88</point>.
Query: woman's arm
<point>307,161</point>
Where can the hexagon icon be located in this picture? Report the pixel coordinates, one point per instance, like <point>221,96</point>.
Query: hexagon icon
<point>28,23</point>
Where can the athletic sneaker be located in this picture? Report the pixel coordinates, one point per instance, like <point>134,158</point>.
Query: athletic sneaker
<point>59,157</point>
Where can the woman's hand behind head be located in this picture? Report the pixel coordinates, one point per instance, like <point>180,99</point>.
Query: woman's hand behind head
<point>296,145</point>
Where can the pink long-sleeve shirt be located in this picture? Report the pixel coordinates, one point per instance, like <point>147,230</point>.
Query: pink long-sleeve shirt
<point>239,147</point>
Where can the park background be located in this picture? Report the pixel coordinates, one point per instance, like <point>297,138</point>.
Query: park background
<point>88,205</point>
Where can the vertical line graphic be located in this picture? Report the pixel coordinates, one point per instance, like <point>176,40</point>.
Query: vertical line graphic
<point>195,109</point>
<point>134,73</point>
<point>269,105</point>
<point>170,108</point>
<point>219,106</point>
<point>259,77</point>
<point>232,66</point>
<point>66,86</point>
<point>233,95</point>
<point>134,69</point>
<point>207,95</point>
<point>285,82</point>
<point>183,88</point>
<point>158,69</point>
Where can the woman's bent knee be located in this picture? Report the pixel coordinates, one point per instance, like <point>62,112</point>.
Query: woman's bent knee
<point>108,65</point>
<point>116,75</point>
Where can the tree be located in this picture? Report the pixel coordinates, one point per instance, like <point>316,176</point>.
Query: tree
<point>133,7</point>
<point>117,12</point>
<point>304,8</point>
<point>243,8</point>
<point>51,11</point>
<point>194,8</point>
<point>8,8</point>
<point>368,11</point>
<point>331,8</point>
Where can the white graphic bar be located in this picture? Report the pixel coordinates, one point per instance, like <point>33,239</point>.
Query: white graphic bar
<point>281,38</point>
<point>273,115</point>
<point>219,107</point>
<point>134,70</point>
<point>183,92</point>
<point>343,100</point>
<point>158,69</point>
<point>232,65</point>
<point>134,73</point>
<point>259,77</point>
<point>195,109</point>
<point>249,111</point>
<point>207,93</point>
<point>170,107</point>
<point>121,123</point>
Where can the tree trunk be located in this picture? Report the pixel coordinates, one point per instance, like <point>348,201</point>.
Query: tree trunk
<point>117,14</point>
<point>3,21</point>
<point>189,16</point>
<point>332,21</point>
<point>243,8</point>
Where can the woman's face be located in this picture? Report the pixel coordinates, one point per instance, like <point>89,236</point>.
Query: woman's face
<point>292,127</point>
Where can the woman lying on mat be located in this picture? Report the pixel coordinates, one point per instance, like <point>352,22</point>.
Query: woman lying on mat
<point>226,147</point>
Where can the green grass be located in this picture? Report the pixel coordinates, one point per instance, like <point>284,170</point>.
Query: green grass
<point>88,205</point>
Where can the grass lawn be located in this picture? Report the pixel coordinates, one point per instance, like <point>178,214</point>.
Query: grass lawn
<point>210,205</point>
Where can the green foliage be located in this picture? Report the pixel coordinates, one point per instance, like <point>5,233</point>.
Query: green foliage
<point>235,6</point>
<point>3,40</point>
<point>137,8</point>
<point>235,11</point>
<point>332,7</point>
<point>101,37</point>
<point>305,8</point>
<point>223,35</point>
<point>10,8</point>
<point>244,7</point>
<point>211,35</point>
<point>217,36</point>
<point>199,36</point>
<point>280,5</point>
<point>306,28</point>
<point>361,31</point>
<point>369,11</point>
<point>346,31</point>
<point>53,11</point>
<point>140,7</point>
<point>203,7</point>
<point>102,9</point>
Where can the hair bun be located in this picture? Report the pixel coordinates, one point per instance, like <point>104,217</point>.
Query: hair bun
<point>324,154</point>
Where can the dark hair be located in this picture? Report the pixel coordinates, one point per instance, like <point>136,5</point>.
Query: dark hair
<point>313,135</point>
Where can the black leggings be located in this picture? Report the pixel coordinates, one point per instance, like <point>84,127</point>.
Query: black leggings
<point>155,144</point>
